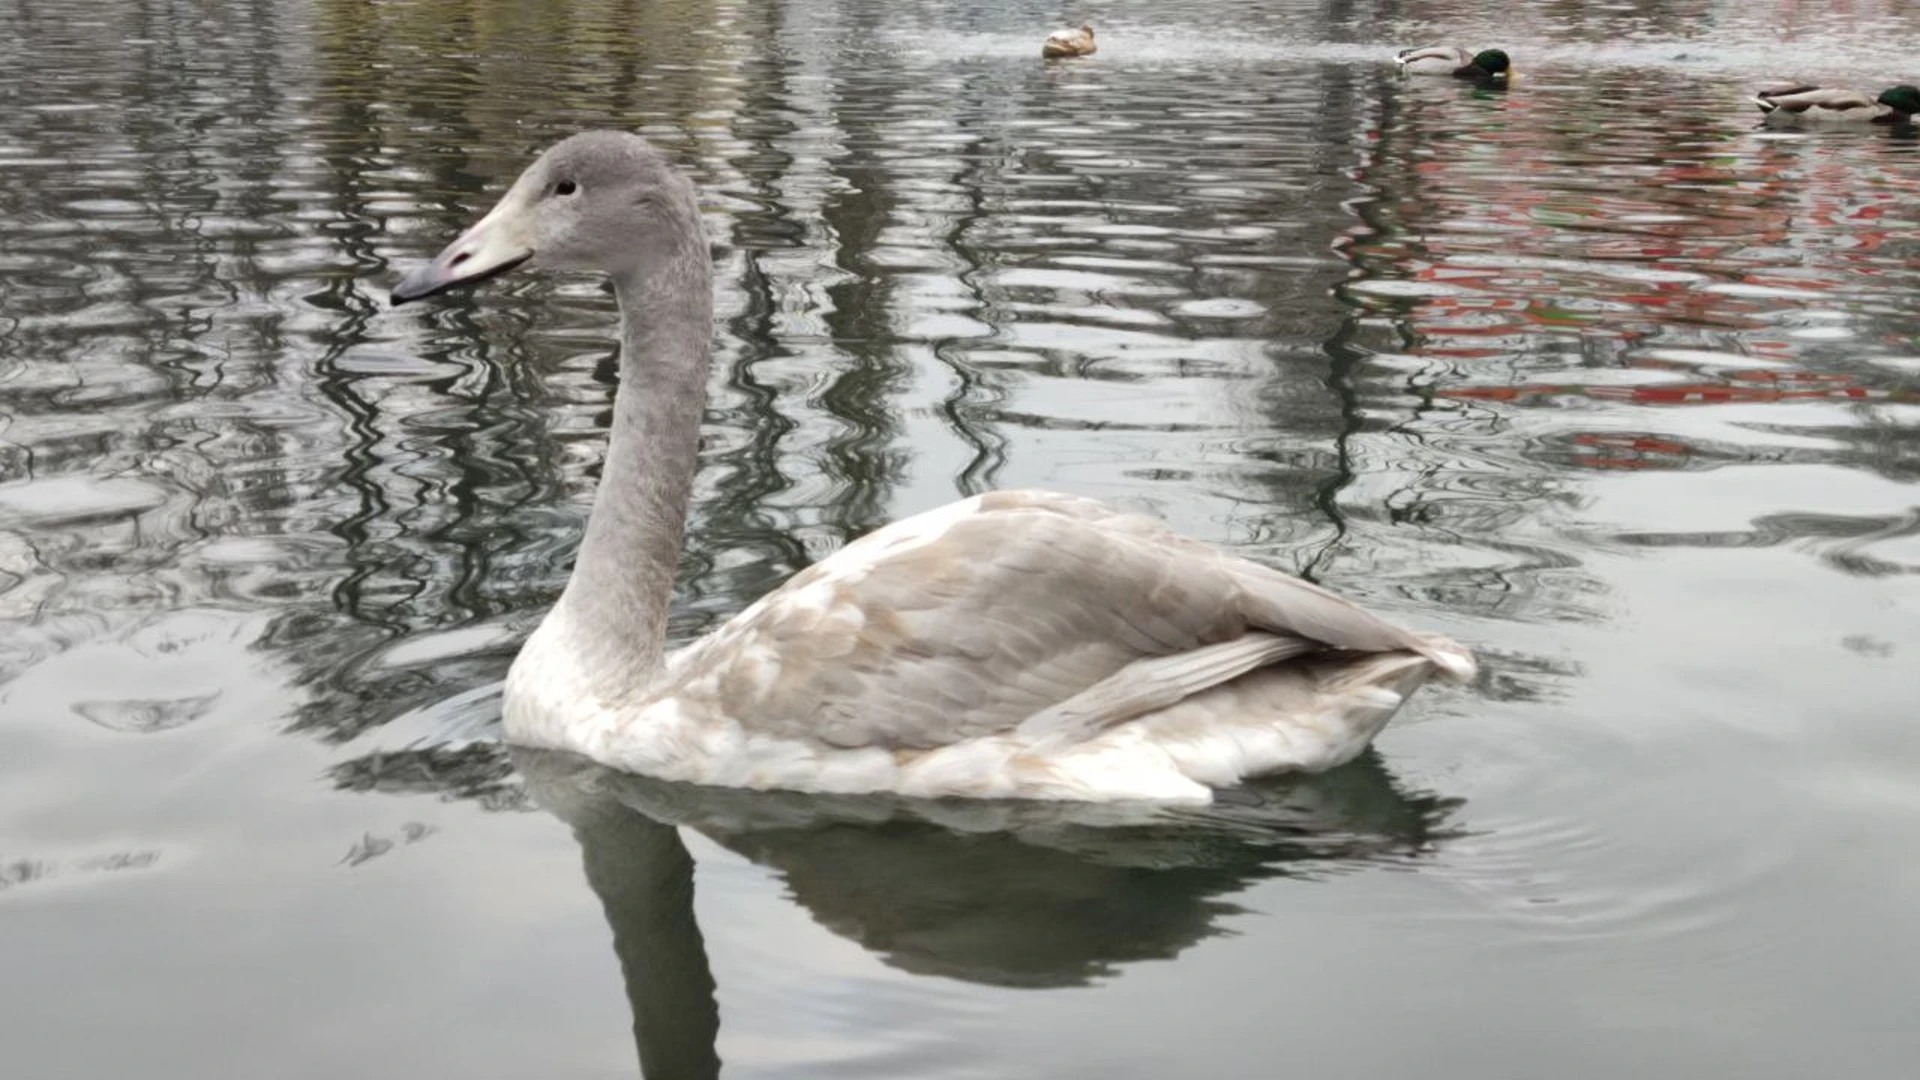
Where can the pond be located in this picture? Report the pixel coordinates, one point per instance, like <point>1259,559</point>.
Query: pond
<point>1595,374</point>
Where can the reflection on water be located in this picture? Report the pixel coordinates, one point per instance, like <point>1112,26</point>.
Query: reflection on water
<point>1016,895</point>
<point>1595,374</point>
<point>1012,894</point>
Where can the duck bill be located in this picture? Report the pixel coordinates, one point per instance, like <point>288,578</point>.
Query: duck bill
<point>493,246</point>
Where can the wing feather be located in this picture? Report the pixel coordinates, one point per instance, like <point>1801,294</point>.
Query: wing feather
<point>1010,607</point>
<point>1157,682</point>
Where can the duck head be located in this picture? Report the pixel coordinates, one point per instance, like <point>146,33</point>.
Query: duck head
<point>1902,99</point>
<point>1486,64</point>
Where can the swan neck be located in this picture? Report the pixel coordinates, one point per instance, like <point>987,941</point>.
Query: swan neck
<point>617,600</point>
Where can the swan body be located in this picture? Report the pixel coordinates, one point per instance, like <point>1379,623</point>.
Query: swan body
<point>1824,105</point>
<point>1015,644</point>
<point>1069,43</point>
<point>1485,65</point>
<point>1135,664</point>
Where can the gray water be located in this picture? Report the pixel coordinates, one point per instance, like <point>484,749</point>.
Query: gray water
<point>1594,374</point>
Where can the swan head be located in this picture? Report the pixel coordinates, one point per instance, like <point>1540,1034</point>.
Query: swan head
<point>593,201</point>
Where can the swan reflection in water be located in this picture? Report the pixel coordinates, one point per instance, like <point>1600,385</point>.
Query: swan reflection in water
<point>1000,893</point>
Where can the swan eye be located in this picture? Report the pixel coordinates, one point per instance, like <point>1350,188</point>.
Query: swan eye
<point>565,187</point>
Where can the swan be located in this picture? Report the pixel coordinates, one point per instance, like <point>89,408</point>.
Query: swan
<point>1069,43</point>
<point>1828,105</point>
<point>1017,644</point>
<point>1485,65</point>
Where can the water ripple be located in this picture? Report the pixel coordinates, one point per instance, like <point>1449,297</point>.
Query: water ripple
<point>1623,396</point>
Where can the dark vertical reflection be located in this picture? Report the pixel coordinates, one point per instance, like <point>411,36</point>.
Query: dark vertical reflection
<point>863,458</point>
<point>739,519</point>
<point>969,407</point>
<point>643,876</point>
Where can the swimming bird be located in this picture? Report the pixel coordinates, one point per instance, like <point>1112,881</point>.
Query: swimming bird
<point>1828,105</point>
<point>1069,43</point>
<point>1014,644</point>
<point>1485,65</point>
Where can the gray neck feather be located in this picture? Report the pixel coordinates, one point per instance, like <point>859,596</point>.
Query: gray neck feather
<point>615,604</point>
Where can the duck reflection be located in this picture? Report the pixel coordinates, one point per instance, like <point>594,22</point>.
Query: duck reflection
<point>1006,894</point>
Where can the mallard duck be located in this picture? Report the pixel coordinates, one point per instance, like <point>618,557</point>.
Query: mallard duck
<point>1831,105</point>
<point>1018,644</point>
<point>1446,60</point>
<point>1069,43</point>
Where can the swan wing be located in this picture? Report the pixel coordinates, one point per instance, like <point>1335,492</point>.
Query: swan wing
<point>1006,609</point>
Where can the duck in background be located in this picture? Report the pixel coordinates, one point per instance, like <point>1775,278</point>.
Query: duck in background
<point>1487,65</point>
<point>1069,43</point>
<point>1826,105</point>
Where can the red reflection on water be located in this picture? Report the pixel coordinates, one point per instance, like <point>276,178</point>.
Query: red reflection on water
<point>1774,386</point>
<point>1530,241</point>
<point>1616,450</point>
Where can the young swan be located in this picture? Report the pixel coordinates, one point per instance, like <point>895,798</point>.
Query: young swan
<point>1484,66</point>
<point>1829,105</point>
<point>1069,43</point>
<point>1018,644</point>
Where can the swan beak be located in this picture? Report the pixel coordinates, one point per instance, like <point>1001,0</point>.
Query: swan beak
<point>493,246</point>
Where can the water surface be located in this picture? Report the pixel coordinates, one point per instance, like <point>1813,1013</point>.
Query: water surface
<point>1594,374</point>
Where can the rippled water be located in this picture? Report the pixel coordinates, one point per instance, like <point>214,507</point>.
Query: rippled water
<point>1593,374</point>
